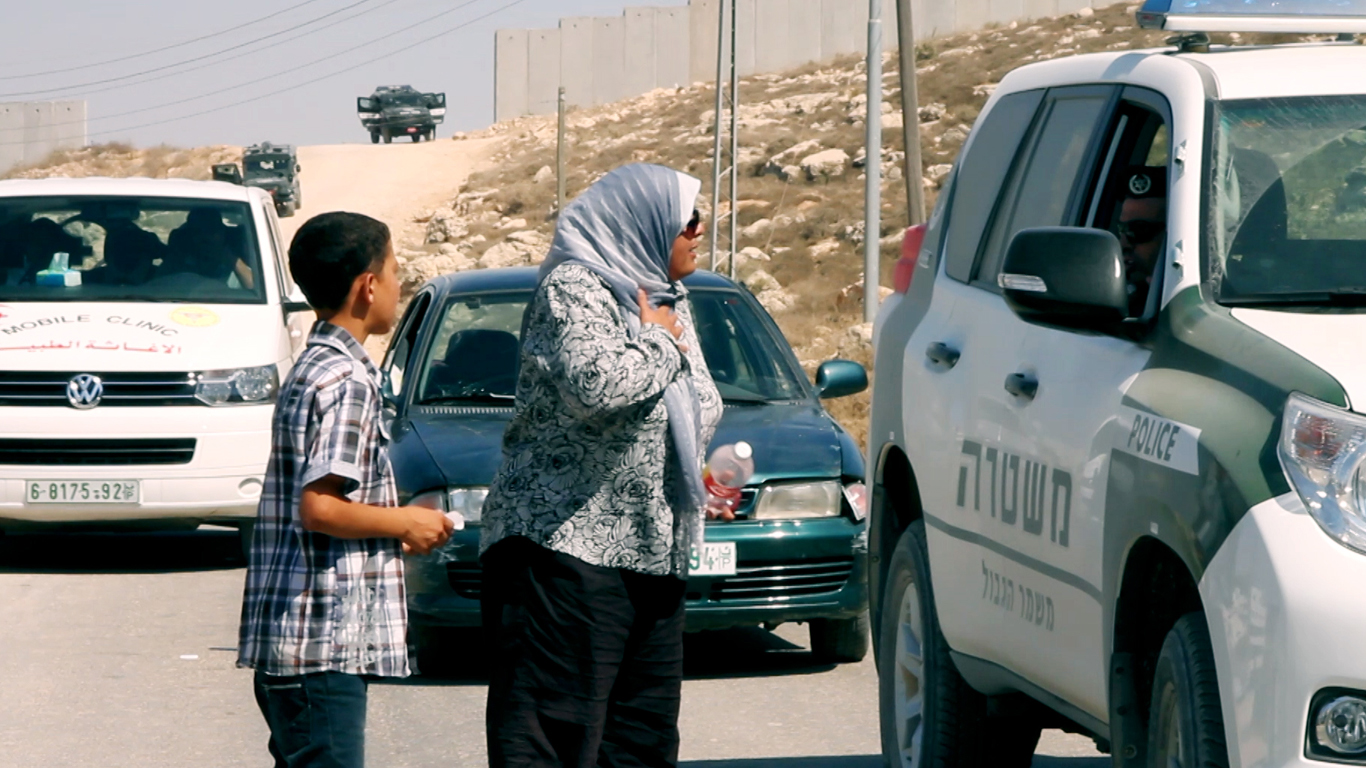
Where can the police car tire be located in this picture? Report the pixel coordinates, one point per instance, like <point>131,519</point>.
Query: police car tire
<point>840,641</point>
<point>1186,698</point>
<point>954,716</point>
<point>374,137</point>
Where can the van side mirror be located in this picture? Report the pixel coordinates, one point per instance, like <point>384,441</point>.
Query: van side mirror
<point>840,378</point>
<point>1067,276</point>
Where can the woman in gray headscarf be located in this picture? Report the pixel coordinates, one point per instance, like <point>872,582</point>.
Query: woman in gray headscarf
<point>589,520</point>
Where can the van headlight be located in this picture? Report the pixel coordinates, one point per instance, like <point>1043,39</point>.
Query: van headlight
<point>1322,450</point>
<point>236,386</point>
<point>797,501</point>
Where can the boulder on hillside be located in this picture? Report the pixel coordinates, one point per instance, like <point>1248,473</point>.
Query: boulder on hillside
<point>777,300</point>
<point>445,227</point>
<point>778,163</point>
<point>504,254</point>
<point>826,165</point>
<point>760,228</point>
<point>746,257</point>
<point>760,281</point>
<point>543,175</point>
<point>423,268</point>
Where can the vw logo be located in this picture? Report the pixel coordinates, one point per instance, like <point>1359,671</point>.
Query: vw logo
<point>84,391</point>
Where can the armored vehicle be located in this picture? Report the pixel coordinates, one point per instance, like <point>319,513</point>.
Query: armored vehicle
<point>401,110</point>
<point>272,167</point>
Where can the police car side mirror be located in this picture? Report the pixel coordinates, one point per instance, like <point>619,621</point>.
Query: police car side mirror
<point>1067,276</point>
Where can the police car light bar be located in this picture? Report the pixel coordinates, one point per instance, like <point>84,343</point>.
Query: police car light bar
<point>1288,16</point>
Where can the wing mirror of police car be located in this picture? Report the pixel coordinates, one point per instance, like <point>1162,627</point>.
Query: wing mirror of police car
<point>839,378</point>
<point>1068,276</point>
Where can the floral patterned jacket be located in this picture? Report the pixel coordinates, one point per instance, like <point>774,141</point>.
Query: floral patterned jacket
<point>588,467</point>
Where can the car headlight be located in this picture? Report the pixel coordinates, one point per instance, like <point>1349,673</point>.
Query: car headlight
<point>796,501</point>
<point>1322,450</point>
<point>469,502</point>
<point>238,385</point>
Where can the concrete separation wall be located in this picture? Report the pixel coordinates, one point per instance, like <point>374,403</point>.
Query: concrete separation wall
<point>31,130</point>
<point>602,60</point>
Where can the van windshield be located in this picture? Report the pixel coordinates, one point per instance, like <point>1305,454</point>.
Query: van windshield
<point>128,248</point>
<point>1287,202</point>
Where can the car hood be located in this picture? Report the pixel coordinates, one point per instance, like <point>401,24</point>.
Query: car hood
<point>110,337</point>
<point>1332,342</point>
<point>463,447</point>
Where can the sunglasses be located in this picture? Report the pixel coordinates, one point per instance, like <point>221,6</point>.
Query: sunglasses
<point>1141,231</point>
<point>690,231</point>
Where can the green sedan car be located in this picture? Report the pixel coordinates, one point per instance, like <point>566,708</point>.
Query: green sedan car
<point>797,550</point>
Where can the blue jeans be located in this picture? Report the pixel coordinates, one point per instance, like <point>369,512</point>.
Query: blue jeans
<point>316,720</point>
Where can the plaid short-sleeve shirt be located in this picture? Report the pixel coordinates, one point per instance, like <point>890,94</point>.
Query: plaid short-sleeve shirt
<point>314,603</point>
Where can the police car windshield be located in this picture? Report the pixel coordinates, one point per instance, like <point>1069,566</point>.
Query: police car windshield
<point>273,163</point>
<point>128,248</point>
<point>1287,202</point>
<point>403,99</point>
<point>474,353</point>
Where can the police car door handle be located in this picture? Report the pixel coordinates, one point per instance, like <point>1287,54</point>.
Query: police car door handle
<point>943,354</point>
<point>1022,385</point>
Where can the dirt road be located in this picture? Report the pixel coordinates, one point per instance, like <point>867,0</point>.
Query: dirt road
<point>390,182</point>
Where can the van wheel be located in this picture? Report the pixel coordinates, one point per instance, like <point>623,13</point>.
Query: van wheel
<point>930,717</point>
<point>1185,721</point>
<point>840,641</point>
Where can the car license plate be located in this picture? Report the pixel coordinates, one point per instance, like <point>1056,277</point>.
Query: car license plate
<point>713,558</point>
<point>82,492</point>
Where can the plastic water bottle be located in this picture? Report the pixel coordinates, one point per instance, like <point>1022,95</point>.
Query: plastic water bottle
<point>725,474</point>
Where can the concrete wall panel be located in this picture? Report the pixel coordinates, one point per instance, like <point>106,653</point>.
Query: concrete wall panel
<point>673,41</point>
<point>1005,11</point>
<point>940,18</point>
<point>702,40</point>
<point>844,28</point>
<point>609,61</point>
<point>11,135</point>
<point>770,29</point>
<point>1039,9</point>
<point>1068,6</point>
<point>510,73</point>
<point>971,14</point>
<point>638,44</point>
<point>804,31</point>
<point>746,36</point>
<point>576,60</point>
<point>543,72</point>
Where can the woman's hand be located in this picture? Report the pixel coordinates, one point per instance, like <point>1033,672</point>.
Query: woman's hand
<point>661,316</point>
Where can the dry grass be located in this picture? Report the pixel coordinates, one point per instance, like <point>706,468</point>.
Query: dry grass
<point>122,160</point>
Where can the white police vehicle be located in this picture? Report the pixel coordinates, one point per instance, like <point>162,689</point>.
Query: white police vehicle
<point>1118,478</point>
<point>144,326</point>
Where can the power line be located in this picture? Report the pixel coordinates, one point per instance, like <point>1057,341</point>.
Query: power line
<point>162,49</point>
<point>296,86</point>
<point>239,86</point>
<point>233,57</point>
<point>165,67</point>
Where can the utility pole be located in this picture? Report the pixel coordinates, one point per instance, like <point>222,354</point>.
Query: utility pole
<point>559,158</point>
<point>716,127</point>
<point>910,113</point>
<point>734,136</point>
<point>872,211</point>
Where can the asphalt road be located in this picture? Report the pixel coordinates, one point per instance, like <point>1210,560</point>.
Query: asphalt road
<point>117,651</point>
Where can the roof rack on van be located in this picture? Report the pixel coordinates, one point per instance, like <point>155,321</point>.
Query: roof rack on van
<point>1299,17</point>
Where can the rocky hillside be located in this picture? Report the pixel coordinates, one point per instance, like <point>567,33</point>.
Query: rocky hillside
<point>121,160</point>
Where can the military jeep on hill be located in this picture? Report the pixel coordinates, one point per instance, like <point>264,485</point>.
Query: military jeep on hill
<point>401,110</point>
<point>272,167</point>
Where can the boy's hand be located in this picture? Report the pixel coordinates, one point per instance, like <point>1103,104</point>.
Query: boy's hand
<point>427,529</point>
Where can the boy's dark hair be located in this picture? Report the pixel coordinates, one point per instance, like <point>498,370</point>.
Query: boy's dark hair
<point>331,250</point>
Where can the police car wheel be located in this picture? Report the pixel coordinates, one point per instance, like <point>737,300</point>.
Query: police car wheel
<point>1185,720</point>
<point>374,137</point>
<point>840,641</point>
<point>929,716</point>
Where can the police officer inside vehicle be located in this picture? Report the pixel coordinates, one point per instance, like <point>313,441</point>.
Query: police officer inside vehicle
<point>1142,229</point>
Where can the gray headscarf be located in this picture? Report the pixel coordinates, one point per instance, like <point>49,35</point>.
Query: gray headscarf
<point>623,229</point>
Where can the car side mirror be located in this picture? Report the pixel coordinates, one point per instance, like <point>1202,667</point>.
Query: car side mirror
<point>840,378</point>
<point>1067,276</point>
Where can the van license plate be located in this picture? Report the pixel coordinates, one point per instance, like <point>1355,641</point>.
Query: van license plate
<point>82,492</point>
<point>713,558</point>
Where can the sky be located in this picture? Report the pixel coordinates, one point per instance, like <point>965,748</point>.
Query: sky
<point>83,36</point>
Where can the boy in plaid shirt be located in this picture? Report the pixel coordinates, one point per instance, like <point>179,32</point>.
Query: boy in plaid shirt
<point>324,607</point>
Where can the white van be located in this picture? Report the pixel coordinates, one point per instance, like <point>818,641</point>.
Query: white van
<point>144,328</point>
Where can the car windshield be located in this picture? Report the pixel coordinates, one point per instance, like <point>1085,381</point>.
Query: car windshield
<point>128,249</point>
<point>404,99</point>
<point>1287,202</point>
<point>474,355</point>
<point>267,163</point>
